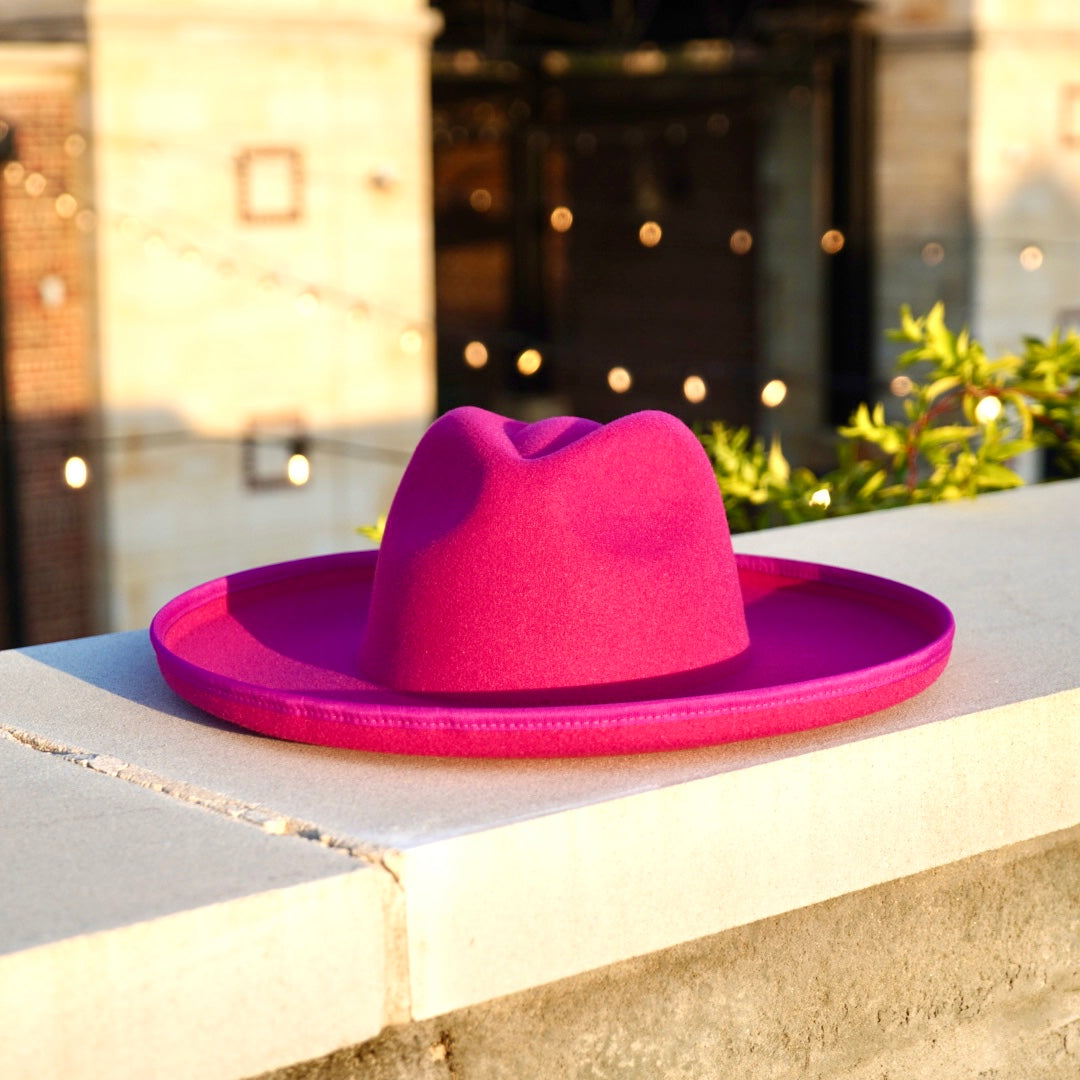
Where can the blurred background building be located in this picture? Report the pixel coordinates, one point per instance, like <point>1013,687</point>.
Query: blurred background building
<point>250,249</point>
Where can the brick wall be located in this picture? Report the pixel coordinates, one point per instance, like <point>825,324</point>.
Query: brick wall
<point>45,247</point>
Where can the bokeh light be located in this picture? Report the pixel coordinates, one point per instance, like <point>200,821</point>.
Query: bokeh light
<point>694,389</point>
<point>988,409</point>
<point>528,363</point>
<point>650,233</point>
<point>773,393</point>
<point>832,241</point>
<point>298,469</point>
<point>411,340</point>
<point>741,241</point>
<point>561,218</point>
<point>76,472</point>
<point>619,379</point>
<point>480,200</point>
<point>476,354</point>
<point>1031,258</point>
<point>933,253</point>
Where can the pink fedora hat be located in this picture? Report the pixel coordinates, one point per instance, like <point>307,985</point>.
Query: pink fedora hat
<point>558,588</point>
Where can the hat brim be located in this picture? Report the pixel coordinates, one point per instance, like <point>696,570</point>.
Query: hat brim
<point>275,650</point>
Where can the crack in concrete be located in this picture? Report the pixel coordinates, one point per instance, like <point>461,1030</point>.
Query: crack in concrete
<point>261,817</point>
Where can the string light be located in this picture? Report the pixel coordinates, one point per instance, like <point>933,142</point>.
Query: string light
<point>561,219</point>
<point>933,253</point>
<point>821,498</point>
<point>66,205</point>
<point>694,389</point>
<point>480,200</point>
<point>988,409</point>
<point>298,469</point>
<point>476,354</point>
<point>411,340</point>
<point>619,379</point>
<point>718,125</point>
<point>156,241</point>
<point>773,393</point>
<point>649,234</point>
<point>76,472</point>
<point>528,363</point>
<point>1031,258</point>
<point>741,241</point>
<point>901,385</point>
<point>832,241</point>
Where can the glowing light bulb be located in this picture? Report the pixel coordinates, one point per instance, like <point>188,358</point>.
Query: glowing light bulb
<point>821,498</point>
<point>933,253</point>
<point>1031,258</point>
<point>66,205</point>
<point>649,234</point>
<point>480,200</point>
<point>476,354</point>
<point>562,218</point>
<point>619,379</point>
<point>773,393</point>
<point>832,241</point>
<point>741,241</point>
<point>76,472</point>
<point>528,363</point>
<point>298,469</point>
<point>694,389</point>
<point>411,340</point>
<point>36,184</point>
<point>988,409</point>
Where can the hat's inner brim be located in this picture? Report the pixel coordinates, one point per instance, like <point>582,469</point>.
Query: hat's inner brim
<point>296,629</point>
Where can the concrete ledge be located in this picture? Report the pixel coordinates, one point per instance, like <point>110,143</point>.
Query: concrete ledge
<point>967,972</point>
<point>490,879</point>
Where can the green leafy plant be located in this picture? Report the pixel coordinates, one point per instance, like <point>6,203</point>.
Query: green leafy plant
<point>966,418</point>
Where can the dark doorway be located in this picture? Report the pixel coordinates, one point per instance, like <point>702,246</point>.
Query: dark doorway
<point>600,228</point>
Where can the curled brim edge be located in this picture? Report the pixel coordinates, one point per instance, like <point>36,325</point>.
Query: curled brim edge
<point>274,650</point>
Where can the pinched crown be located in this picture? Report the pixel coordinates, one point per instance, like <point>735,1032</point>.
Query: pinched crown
<point>561,561</point>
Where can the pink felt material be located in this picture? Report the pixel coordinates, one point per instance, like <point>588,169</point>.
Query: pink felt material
<point>510,566</point>
<point>552,589</point>
<point>274,650</point>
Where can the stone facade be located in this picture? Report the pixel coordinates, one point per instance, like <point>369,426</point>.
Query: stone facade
<point>263,184</point>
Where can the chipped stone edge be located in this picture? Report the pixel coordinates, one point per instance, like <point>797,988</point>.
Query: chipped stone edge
<point>398,1004</point>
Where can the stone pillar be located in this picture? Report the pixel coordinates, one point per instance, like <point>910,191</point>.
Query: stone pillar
<point>1025,162</point>
<point>263,185</point>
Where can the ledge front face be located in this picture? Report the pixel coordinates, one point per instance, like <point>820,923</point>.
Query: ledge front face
<point>612,857</point>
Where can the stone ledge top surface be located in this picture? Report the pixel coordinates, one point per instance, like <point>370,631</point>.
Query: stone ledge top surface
<point>614,857</point>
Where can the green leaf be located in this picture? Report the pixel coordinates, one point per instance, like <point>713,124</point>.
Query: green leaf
<point>374,532</point>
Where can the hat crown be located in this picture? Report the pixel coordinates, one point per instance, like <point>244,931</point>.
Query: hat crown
<point>563,560</point>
